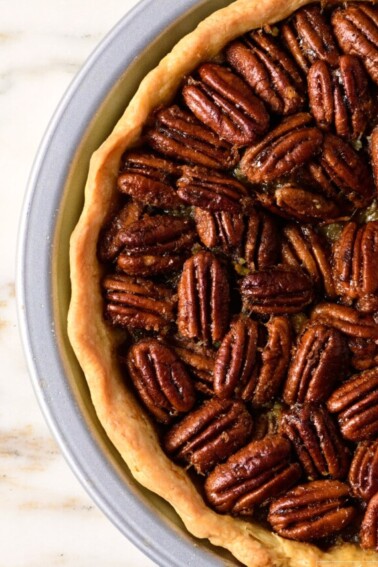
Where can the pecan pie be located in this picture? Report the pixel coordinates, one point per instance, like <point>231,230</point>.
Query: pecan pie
<point>225,282</point>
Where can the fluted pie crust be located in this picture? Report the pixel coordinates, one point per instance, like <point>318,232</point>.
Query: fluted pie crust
<point>94,342</point>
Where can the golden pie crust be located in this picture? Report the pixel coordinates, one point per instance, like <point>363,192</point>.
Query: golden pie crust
<point>94,342</point>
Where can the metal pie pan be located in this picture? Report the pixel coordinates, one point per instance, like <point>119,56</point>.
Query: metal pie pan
<point>54,199</point>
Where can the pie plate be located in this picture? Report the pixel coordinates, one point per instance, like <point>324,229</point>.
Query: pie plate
<point>54,198</point>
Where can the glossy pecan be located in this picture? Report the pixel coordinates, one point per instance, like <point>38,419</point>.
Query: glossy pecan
<point>252,366</point>
<point>276,291</point>
<point>319,362</point>
<point>356,264</point>
<point>211,190</point>
<point>146,265</point>
<point>364,353</point>
<point>154,245</point>
<point>235,364</point>
<point>261,245</point>
<point>347,170</point>
<point>274,357</point>
<point>287,147</point>
<point>110,243</point>
<point>269,70</point>
<point>309,37</point>
<point>303,247</point>
<point>340,203</point>
<point>293,202</point>
<point>150,179</point>
<point>346,319</point>
<point>363,474</point>
<point>179,135</point>
<point>320,181</point>
<point>219,229</point>
<point>317,442</point>
<point>158,234</point>
<point>340,99</point>
<point>356,406</point>
<point>252,476</point>
<point>160,379</point>
<point>203,306</point>
<point>138,303</point>
<point>209,434</point>
<point>369,526</point>
<point>226,104</point>
<point>356,30</point>
<point>200,362</point>
<point>312,511</point>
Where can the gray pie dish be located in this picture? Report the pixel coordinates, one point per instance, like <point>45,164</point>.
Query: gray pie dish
<point>54,199</point>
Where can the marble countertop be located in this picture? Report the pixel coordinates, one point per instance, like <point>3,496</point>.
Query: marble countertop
<point>46,517</point>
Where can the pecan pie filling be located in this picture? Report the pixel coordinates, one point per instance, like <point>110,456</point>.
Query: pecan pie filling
<point>242,269</point>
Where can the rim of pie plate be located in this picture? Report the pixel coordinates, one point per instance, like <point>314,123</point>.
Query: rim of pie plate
<point>94,343</point>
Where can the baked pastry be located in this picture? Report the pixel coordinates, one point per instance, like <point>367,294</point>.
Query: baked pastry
<point>202,256</point>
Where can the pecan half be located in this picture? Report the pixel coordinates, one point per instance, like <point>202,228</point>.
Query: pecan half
<point>160,379</point>
<point>150,179</point>
<point>364,353</point>
<point>138,303</point>
<point>321,182</point>
<point>276,290</point>
<point>226,104</point>
<point>356,30</point>
<point>309,37</point>
<point>209,434</point>
<point>320,361</point>
<point>261,244</point>
<point>356,403</point>
<point>219,229</point>
<point>275,357</point>
<point>340,99</point>
<point>157,235</point>
<point>200,362</point>
<point>179,135</point>
<point>258,472</point>
<point>149,264</point>
<point>294,202</point>
<point>287,147</point>
<point>369,526</point>
<point>356,264</point>
<point>154,245</point>
<point>252,367</point>
<point>203,307</point>
<point>211,190</point>
<point>303,247</point>
<point>312,511</point>
<point>110,244</point>
<point>317,442</point>
<point>269,70</point>
<point>347,170</point>
<point>363,474</point>
<point>235,364</point>
<point>346,319</point>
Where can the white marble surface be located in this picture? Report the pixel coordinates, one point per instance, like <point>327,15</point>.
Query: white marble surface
<point>46,518</point>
